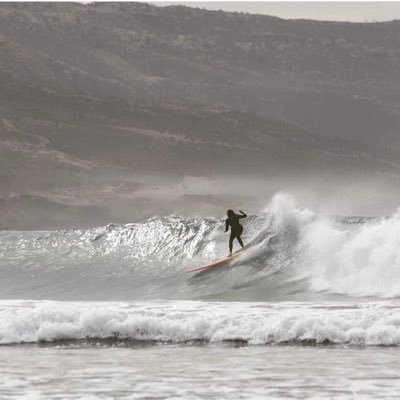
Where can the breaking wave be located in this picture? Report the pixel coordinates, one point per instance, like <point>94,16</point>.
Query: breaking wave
<point>199,322</point>
<point>295,255</point>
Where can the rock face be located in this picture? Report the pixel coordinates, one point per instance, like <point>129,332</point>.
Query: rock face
<point>101,96</point>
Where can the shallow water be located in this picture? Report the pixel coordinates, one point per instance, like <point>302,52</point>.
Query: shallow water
<point>198,372</point>
<point>199,350</point>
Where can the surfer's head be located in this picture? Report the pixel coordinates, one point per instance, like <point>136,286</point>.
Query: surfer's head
<point>230,213</point>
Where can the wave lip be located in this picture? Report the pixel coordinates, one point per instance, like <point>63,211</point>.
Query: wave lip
<point>372,324</point>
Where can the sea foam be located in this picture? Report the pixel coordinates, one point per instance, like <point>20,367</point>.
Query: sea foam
<point>187,322</point>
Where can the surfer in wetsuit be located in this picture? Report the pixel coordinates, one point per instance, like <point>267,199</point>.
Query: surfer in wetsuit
<point>236,229</point>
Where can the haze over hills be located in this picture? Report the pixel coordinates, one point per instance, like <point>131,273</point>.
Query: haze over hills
<point>116,111</point>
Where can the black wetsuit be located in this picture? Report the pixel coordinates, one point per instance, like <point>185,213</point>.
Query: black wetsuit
<point>236,228</point>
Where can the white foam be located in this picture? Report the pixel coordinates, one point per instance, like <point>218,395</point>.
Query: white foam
<point>179,322</point>
<point>364,261</point>
<point>286,214</point>
<point>358,260</point>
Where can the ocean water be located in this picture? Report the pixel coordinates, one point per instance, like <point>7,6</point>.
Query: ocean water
<point>198,372</point>
<point>311,310</point>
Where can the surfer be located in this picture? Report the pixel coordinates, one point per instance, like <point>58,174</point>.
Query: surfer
<point>236,229</point>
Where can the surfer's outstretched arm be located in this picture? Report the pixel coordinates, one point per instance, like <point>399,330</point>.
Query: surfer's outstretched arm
<point>243,215</point>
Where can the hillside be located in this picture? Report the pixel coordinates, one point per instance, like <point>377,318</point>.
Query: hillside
<point>96,98</point>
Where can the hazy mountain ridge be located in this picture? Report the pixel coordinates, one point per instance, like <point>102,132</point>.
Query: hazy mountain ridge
<point>181,91</point>
<point>259,41</point>
<point>258,63</point>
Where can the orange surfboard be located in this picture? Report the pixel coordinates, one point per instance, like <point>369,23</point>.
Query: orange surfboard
<point>219,262</point>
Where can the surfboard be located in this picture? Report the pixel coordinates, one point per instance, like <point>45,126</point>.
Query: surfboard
<point>219,262</point>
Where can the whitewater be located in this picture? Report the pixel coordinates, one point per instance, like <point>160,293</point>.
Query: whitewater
<point>313,290</point>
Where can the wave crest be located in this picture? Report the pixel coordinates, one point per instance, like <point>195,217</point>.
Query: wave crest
<point>183,322</point>
<point>296,255</point>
